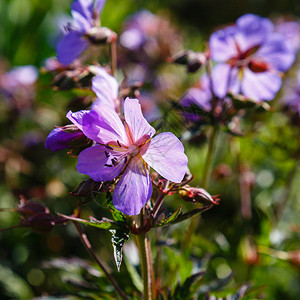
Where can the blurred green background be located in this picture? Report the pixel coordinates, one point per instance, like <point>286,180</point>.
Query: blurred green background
<point>29,31</point>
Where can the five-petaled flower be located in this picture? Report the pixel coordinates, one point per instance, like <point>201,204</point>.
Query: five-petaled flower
<point>251,56</point>
<point>84,30</point>
<point>128,149</point>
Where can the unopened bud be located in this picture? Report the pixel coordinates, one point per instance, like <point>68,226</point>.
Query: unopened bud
<point>37,216</point>
<point>66,137</point>
<point>70,79</point>
<point>194,61</point>
<point>29,208</point>
<point>87,187</point>
<point>181,57</point>
<point>101,35</point>
<point>197,195</point>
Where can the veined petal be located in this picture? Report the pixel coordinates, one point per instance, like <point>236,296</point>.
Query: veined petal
<point>253,31</point>
<point>261,86</point>
<point>165,154</point>
<point>276,51</point>
<point>222,44</point>
<point>82,13</point>
<point>135,120</point>
<point>105,87</point>
<point>96,162</point>
<point>103,125</point>
<point>134,188</point>
<point>225,79</point>
<point>99,4</point>
<point>76,117</point>
<point>70,47</point>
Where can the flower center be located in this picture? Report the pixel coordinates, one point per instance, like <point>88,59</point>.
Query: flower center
<point>133,150</point>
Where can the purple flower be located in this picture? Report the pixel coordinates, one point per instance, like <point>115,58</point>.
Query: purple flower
<point>250,56</point>
<point>85,15</point>
<point>291,32</point>
<point>69,136</point>
<point>18,87</point>
<point>291,95</point>
<point>105,87</point>
<point>200,96</point>
<point>129,149</point>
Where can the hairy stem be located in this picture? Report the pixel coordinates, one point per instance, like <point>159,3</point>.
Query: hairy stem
<point>146,266</point>
<point>89,248</point>
<point>113,49</point>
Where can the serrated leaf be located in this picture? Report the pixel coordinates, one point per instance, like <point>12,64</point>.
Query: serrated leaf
<point>118,239</point>
<point>104,223</point>
<point>170,219</point>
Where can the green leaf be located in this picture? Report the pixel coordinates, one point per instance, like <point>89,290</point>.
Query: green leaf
<point>189,214</point>
<point>170,219</point>
<point>104,223</point>
<point>118,239</point>
<point>184,291</point>
<point>239,294</point>
<point>116,214</point>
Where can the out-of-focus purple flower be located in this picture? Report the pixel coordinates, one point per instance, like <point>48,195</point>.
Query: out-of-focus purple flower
<point>291,32</point>
<point>291,95</point>
<point>129,149</point>
<point>150,109</point>
<point>148,39</point>
<point>84,30</point>
<point>250,56</point>
<point>19,76</point>
<point>17,86</point>
<point>105,87</point>
<point>198,96</point>
<point>69,136</point>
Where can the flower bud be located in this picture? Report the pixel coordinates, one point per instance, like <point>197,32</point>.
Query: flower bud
<point>197,195</point>
<point>181,57</point>
<point>100,35</point>
<point>66,137</point>
<point>70,79</point>
<point>88,187</point>
<point>37,216</point>
<point>29,208</point>
<point>193,60</point>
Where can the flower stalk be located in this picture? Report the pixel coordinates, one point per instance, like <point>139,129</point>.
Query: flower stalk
<point>89,248</point>
<point>146,266</point>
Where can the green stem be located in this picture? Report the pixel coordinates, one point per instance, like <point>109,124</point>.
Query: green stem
<point>287,193</point>
<point>9,228</point>
<point>146,265</point>
<point>206,172</point>
<point>89,248</point>
<point>209,157</point>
